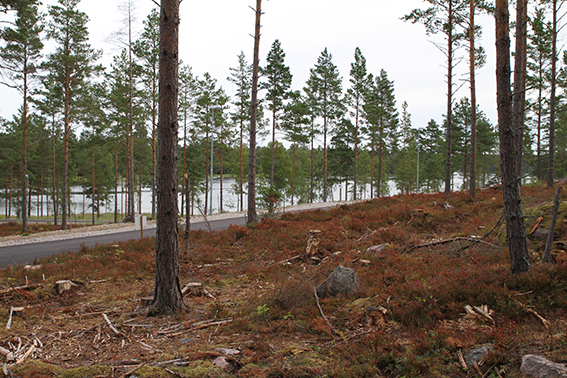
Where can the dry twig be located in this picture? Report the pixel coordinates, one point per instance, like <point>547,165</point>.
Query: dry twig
<point>112,327</point>
<point>131,371</point>
<point>322,314</point>
<point>447,241</point>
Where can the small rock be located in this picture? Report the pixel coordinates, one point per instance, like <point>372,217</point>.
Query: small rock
<point>227,351</point>
<point>377,248</point>
<point>228,365</point>
<point>342,280</point>
<point>541,367</point>
<point>477,354</point>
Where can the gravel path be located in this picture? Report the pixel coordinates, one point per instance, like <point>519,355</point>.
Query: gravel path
<point>124,227</point>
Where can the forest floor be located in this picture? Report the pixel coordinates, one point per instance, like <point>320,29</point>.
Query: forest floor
<point>252,308</point>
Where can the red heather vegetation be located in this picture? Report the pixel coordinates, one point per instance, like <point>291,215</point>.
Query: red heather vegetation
<point>262,302</point>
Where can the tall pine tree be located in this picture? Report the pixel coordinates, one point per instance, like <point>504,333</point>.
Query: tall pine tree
<point>277,83</point>
<point>72,62</point>
<point>325,87</point>
<point>19,59</point>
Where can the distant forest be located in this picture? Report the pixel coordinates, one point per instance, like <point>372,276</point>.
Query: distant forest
<point>89,126</point>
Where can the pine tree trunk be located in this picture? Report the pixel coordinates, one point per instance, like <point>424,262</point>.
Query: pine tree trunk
<point>325,159</point>
<point>241,165</point>
<point>515,227</point>
<point>552,102</point>
<point>449,135</point>
<point>252,216</point>
<point>293,177</point>
<point>167,294</point>
<point>273,144</point>
<point>25,159</point>
<point>519,95</point>
<point>472,183</point>
<point>66,150</point>
<point>116,187</point>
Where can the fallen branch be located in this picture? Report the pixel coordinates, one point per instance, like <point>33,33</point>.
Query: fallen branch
<point>24,287</point>
<point>288,260</point>
<point>323,315</point>
<point>462,360</point>
<point>26,355</point>
<point>483,312</point>
<point>542,320</point>
<point>495,226</point>
<point>112,327</point>
<point>172,372</point>
<point>447,241</point>
<point>200,325</point>
<point>130,372</point>
<point>536,225</point>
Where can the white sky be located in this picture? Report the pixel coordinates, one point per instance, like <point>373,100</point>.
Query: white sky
<point>213,33</point>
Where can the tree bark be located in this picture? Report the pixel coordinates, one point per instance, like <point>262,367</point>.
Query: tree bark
<point>552,101</point>
<point>449,135</point>
<point>472,183</point>
<point>519,96</point>
<point>252,216</point>
<point>167,293</point>
<point>515,227</point>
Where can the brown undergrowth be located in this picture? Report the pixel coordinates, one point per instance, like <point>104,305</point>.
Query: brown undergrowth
<point>258,297</point>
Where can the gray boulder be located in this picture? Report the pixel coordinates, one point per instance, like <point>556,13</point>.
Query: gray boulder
<point>341,281</point>
<point>541,367</point>
<point>478,354</point>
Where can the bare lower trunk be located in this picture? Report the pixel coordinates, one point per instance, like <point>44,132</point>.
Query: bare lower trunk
<point>515,227</point>
<point>167,292</point>
<point>252,216</point>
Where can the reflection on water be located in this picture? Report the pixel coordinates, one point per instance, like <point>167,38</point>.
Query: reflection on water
<point>80,203</point>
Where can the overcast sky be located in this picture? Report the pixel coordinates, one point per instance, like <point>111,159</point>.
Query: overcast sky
<point>214,32</point>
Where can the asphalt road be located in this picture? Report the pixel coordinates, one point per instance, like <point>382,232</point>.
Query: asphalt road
<point>27,253</point>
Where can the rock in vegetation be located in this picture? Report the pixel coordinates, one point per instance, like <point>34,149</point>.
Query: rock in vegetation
<point>341,281</point>
<point>377,248</point>
<point>227,364</point>
<point>477,355</point>
<point>541,367</point>
<point>227,351</point>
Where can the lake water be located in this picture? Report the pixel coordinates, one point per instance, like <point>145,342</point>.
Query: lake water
<point>231,201</point>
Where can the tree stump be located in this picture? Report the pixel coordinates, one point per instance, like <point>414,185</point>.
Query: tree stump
<point>312,247</point>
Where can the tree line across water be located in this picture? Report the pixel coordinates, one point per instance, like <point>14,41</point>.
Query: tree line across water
<point>82,124</point>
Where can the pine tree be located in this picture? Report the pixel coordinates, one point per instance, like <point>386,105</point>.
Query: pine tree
<point>325,87</point>
<point>146,49</point>
<point>19,57</point>
<point>341,154</point>
<point>208,95</point>
<point>406,155</point>
<point>515,227</point>
<point>446,17</point>
<point>295,121</point>
<point>360,83</point>
<point>241,76</point>
<point>70,65</point>
<point>252,216</point>
<point>432,158</point>
<point>382,118</point>
<point>278,81</point>
<point>167,291</point>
